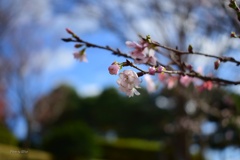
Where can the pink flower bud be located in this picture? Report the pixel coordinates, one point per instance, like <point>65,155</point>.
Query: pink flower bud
<point>69,31</point>
<point>160,69</point>
<point>189,67</point>
<point>152,70</point>
<point>113,69</point>
<point>217,64</point>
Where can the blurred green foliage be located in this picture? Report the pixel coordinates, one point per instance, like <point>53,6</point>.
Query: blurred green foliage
<point>70,136</point>
<point>71,140</point>
<point>132,143</point>
<point>6,136</point>
<point>129,149</point>
<point>10,152</point>
<point>135,128</point>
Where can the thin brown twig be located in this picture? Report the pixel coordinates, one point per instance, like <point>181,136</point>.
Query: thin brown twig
<point>222,58</point>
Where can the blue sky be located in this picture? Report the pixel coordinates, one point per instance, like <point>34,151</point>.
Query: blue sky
<point>55,57</point>
<point>94,74</point>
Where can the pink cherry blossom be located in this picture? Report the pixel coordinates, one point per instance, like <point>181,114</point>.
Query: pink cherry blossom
<point>150,56</point>
<point>114,68</point>
<point>208,85</point>
<point>151,86</point>
<point>142,53</point>
<point>128,82</point>
<point>133,45</point>
<point>172,82</point>
<point>138,54</point>
<point>185,80</point>
<point>80,56</point>
<point>152,60</point>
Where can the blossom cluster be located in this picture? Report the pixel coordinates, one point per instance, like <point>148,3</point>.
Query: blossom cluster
<point>144,53</point>
<point>128,80</point>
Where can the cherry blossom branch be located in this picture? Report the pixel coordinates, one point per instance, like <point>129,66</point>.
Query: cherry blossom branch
<point>192,73</point>
<point>144,53</point>
<point>128,63</point>
<point>116,52</point>
<point>88,45</point>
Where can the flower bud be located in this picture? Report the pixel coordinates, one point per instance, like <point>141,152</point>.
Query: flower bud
<point>217,64</point>
<point>78,45</point>
<point>189,67</point>
<point>69,31</point>
<point>113,69</point>
<point>152,70</point>
<point>160,69</point>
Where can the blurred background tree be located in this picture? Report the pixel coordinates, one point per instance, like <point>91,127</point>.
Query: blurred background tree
<point>19,73</point>
<point>174,117</point>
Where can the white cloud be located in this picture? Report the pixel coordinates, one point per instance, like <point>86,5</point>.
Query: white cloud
<point>36,11</point>
<point>209,46</point>
<point>54,60</point>
<point>81,18</point>
<point>89,90</point>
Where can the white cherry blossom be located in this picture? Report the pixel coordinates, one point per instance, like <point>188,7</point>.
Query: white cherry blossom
<point>128,82</point>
